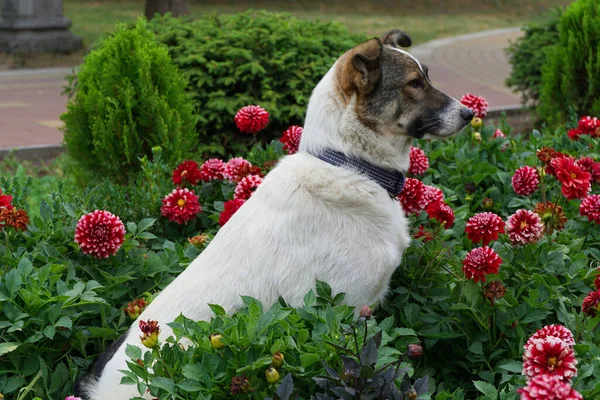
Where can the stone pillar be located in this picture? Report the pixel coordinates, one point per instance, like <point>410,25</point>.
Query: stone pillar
<point>36,26</point>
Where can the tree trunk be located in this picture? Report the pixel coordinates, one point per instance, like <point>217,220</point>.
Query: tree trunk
<point>177,7</point>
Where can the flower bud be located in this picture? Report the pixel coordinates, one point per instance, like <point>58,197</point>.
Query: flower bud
<point>240,384</point>
<point>469,198</point>
<point>199,241</point>
<point>272,375</point>
<point>277,360</point>
<point>487,203</point>
<point>366,312</point>
<point>541,171</point>
<point>215,341</point>
<point>135,308</point>
<point>150,332</point>
<point>477,137</point>
<point>476,122</point>
<point>415,350</point>
<point>411,394</point>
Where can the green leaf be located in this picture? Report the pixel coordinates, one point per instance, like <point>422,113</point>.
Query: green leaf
<point>476,348</point>
<point>132,227</point>
<point>13,282</point>
<point>25,267</point>
<point>487,389</point>
<point>217,309</point>
<point>133,352</point>
<point>472,292</point>
<point>146,235</point>
<point>145,224</point>
<point>308,359</point>
<point>164,383</point>
<point>512,366</point>
<point>7,347</point>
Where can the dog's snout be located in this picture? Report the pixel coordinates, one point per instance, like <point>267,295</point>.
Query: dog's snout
<point>466,114</point>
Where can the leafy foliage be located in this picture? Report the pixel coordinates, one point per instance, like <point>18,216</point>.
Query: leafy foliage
<point>527,55</point>
<point>571,73</point>
<point>270,59</point>
<point>129,97</point>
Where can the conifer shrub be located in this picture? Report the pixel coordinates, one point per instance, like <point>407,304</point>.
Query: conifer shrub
<point>232,60</point>
<point>528,54</point>
<point>571,74</point>
<point>128,97</point>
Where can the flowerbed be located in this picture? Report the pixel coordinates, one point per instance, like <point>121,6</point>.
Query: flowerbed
<point>500,286</point>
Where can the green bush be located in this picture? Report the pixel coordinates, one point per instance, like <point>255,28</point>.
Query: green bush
<point>571,74</point>
<point>129,97</point>
<point>527,55</point>
<point>230,61</point>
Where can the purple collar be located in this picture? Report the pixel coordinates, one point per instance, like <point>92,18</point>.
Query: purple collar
<point>391,181</point>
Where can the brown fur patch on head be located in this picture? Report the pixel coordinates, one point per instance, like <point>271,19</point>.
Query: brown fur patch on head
<point>359,69</point>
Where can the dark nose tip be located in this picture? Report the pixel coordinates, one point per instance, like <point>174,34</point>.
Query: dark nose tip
<point>467,114</point>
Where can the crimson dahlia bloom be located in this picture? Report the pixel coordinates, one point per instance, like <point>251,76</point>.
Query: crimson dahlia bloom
<point>524,227</point>
<point>480,262</point>
<point>187,172</point>
<point>525,181</point>
<point>291,139</point>
<point>246,187</point>
<point>150,331</point>
<point>556,330</point>
<point>229,208</point>
<point>5,200</point>
<point>14,217</point>
<point>432,194</point>
<point>592,167</point>
<point>597,280</point>
<point>442,213</point>
<point>251,119</point>
<point>180,206</point>
<point>412,196</point>
<point>212,169</point>
<point>548,387</point>
<point>591,303</point>
<point>498,134</point>
<point>484,227</point>
<point>100,234</point>
<point>419,163</point>
<point>237,168</point>
<point>575,181</point>
<point>549,356</point>
<point>477,104</point>
<point>590,207</point>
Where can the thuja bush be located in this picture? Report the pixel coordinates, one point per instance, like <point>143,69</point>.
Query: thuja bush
<point>528,54</point>
<point>270,59</point>
<point>128,97</point>
<point>571,73</point>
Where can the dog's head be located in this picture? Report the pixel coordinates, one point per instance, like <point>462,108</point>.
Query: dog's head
<point>392,94</point>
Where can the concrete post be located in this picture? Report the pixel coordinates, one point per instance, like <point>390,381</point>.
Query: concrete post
<point>36,26</point>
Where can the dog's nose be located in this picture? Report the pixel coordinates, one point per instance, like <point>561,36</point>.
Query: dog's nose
<point>466,113</point>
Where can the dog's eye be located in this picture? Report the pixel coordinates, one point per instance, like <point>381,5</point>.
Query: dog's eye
<point>416,84</point>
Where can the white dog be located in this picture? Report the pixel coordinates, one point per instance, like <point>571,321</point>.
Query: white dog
<point>327,213</point>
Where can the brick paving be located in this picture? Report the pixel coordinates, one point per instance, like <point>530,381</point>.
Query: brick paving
<point>31,103</point>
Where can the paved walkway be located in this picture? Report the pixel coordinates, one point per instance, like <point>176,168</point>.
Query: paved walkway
<point>30,100</point>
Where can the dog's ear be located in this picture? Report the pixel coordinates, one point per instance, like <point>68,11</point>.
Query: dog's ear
<point>365,64</point>
<point>396,38</point>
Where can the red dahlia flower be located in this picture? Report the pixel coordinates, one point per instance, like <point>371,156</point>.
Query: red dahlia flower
<point>412,196</point>
<point>441,212</point>
<point>431,195</point>
<point>575,181</point>
<point>480,262</point>
<point>589,165</point>
<point>574,134</point>
<point>477,104</point>
<point>186,172</point>
<point>552,216</point>
<point>291,139</point>
<point>556,330</point>
<point>229,208</point>
<point>484,227</point>
<point>591,303</point>
<point>5,200</point>
<point>589,126</point>
<point>498,134</point>
<point>548,387</point>
<point>251,119</point>
<point>422,233</point>
<point>590,207</point>
<point>525,181</point>
<point>246,187</point>
<point>524,227</point>
<point>238,168</point>
<point>418,161</point>
<point>180,206</point>
<point>546,155</point>
<point>212,169</point>
<point>597,280</point>
<point>100,234</point>
<point>549,356</point>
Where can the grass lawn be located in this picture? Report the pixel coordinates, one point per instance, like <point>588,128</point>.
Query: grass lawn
<point>425,20</point>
